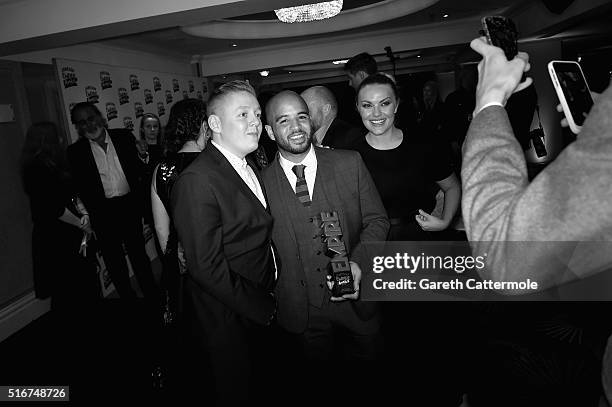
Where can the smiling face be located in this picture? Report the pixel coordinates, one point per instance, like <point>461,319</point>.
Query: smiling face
<point>377,106</point>
<point>88,123</point>
<point>236,124</point>
<point>290,125</point>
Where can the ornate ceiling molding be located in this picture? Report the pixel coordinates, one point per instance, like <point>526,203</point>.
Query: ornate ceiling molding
<point>346,20</point>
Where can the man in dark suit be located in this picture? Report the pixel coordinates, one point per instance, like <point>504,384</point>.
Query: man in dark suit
<point>302,182</point>
<point>223,222</point>
<point>107,173</point>
<point>328,130</point>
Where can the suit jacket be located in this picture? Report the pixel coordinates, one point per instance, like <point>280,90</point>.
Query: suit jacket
<point>349,186</point>
<point>341,134</point>
<point>500,205</point>
<point>566,205</point>
<point>226,233</point>
<point>85,172</point>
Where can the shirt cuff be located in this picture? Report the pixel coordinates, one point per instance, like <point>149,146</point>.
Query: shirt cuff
<point>487,105</point>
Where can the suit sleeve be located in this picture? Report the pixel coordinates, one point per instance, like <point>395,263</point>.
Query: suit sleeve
<point>531,230</point>
<point>197,218</point>
<point>374,221</point>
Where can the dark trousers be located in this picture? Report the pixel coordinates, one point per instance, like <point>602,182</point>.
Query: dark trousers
<point>118,223</point>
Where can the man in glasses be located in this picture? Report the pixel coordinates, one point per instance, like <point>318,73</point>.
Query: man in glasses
<point>107,175</point>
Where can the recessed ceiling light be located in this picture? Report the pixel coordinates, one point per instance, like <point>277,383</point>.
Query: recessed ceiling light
<point>290,72</point>
<point>340,61</point>
<point>445,16</point>
<point>418,56</point>
<point>234,44</point>
<point>264,73</point>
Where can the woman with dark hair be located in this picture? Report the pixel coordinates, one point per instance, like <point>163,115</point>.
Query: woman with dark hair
<point>61,223</point>
<point>404,167</point>
<point>185,137</point>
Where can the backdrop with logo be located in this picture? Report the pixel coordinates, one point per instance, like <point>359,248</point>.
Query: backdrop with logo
<point>123,94</point>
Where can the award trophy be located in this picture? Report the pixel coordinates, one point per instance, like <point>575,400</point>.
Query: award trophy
<point>339,267</point>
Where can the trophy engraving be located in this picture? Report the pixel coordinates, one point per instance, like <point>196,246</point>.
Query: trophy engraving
<point>339,267</point>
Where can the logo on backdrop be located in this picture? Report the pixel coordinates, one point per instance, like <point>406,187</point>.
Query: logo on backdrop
<point>128,123</point>
<point>134,84</point>
<point>175,85</point>
<point>124,97</point>
<point>105,80</point>
<point>69,77</point>
<point>161,110</point>
<point>156,84</point>
<point>138,109</point>
<point>92,94</point>
<point>191,87</point>
<point>148,96</point>
<point>111,111</point>
<point>168,97</point>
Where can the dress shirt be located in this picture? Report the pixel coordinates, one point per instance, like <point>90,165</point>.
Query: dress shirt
<point>245,171</point>
<point>310,172</point>
<point>111,174</point>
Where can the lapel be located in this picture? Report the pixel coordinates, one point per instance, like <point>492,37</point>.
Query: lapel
<point>326,176</point>
<point>233,177</point>
<point>90,167</point>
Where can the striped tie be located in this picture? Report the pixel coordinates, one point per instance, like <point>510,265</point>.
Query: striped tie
<point>301,188</point>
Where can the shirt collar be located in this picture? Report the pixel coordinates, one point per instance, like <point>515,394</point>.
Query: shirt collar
<point>231,157</point>
<point>106,138</point>
<point>310,161</point>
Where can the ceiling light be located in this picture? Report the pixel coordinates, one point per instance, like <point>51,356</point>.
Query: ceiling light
<point>418,56</point>
<point>309,12</point>
<point>445,16</point>
<point>340,62</point>
<point>264,73</point>
<point>234,44</point>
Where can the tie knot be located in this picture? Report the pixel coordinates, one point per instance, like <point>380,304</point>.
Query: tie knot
<point>298,170</point>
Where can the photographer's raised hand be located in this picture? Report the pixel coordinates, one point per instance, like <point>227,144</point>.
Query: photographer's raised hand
<point>498,77</point>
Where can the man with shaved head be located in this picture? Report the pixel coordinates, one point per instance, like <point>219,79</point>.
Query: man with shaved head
<point>302,182</point>
<point>328,130</point>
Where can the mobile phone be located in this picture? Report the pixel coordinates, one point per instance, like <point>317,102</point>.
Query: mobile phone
<point>501,32</point>
<point>572,90</point>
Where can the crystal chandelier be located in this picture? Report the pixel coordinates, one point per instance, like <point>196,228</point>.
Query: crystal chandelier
<point>309,12</point>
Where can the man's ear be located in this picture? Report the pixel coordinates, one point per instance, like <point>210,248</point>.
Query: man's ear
<point>214,123</point>
<point>326,109</point>
<point>270,132</point>
<point>362,75</point>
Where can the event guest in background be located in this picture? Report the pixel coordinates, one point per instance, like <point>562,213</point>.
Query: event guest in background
<point>60,224</point>
<point>403,166</point>
<point>150,150</point>
<point>360,67</point>
<point>328,129</point>
<point>186,135</point>
<point>430,116</point>
<point>108,175</point>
